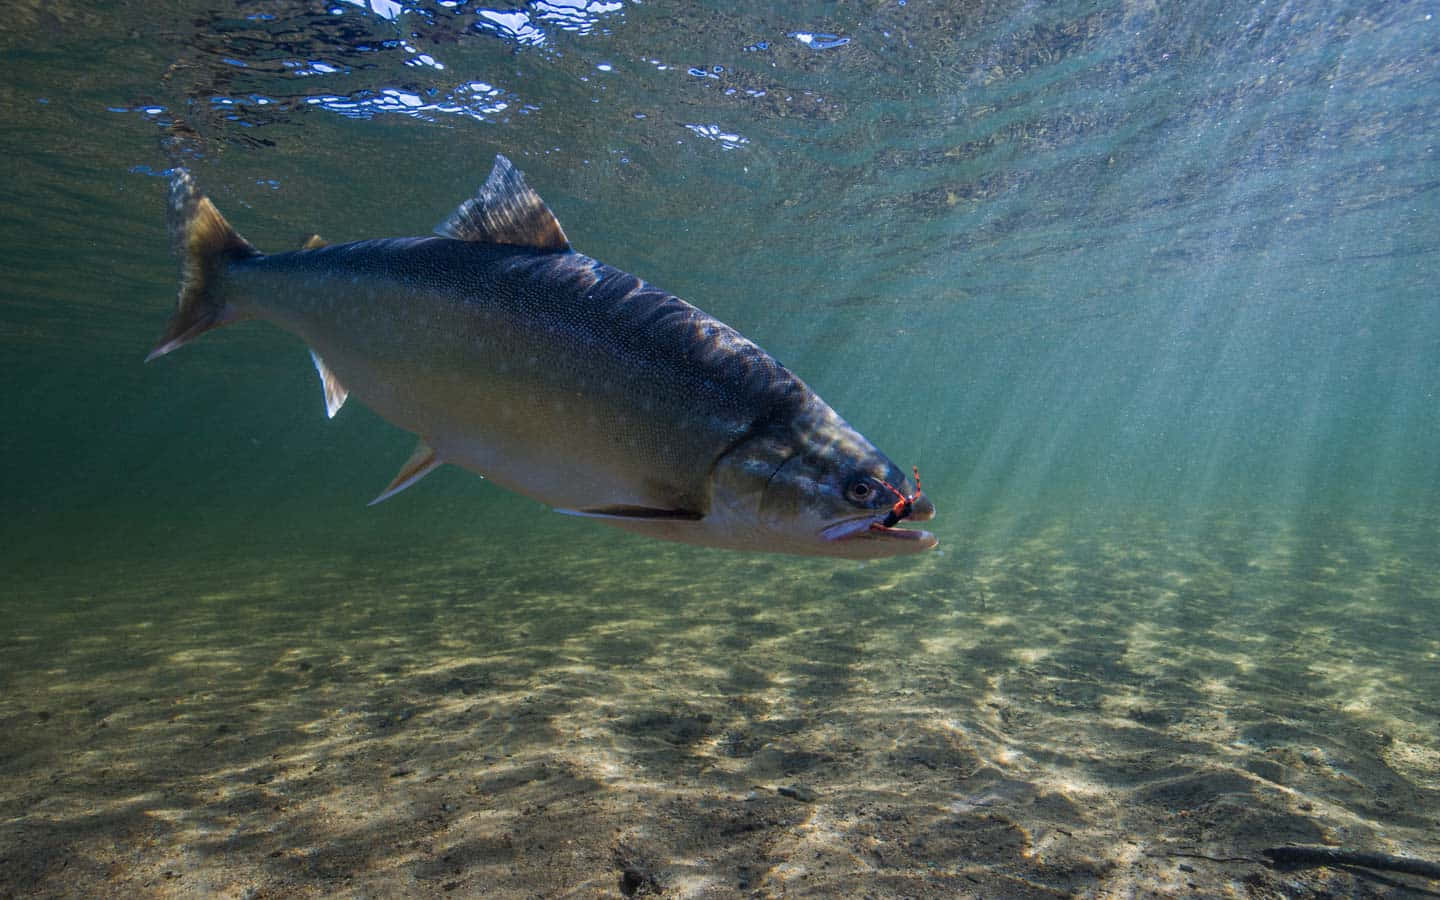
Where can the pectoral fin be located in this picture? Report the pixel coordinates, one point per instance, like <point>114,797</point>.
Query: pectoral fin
<point>335,392</point>
<point>623,511</point>
<point>421,463</point>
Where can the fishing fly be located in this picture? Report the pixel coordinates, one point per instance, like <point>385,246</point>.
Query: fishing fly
<point>903,505</point>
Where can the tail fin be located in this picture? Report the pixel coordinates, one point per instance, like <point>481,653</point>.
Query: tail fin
<point>204,241</point>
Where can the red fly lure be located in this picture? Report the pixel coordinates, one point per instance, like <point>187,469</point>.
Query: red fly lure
<point>903,505</point>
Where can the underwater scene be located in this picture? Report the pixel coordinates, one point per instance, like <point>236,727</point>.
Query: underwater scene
<point>1108,565</point>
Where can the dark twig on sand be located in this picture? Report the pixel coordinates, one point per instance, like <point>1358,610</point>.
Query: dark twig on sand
<point>1219,859</point>
<point>1297,857</point>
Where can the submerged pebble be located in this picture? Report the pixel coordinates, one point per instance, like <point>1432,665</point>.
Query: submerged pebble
<point>798,792</point>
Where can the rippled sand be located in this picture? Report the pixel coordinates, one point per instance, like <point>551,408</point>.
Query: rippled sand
<point>1124,711</point>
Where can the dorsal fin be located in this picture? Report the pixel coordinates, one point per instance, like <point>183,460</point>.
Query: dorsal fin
<point>506,211</point>
<point>314,242</point>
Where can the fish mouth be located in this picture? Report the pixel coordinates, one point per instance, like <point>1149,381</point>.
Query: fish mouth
<point>871,528</point>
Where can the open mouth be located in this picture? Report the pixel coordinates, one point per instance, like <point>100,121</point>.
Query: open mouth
<point>882,527</point>
<point>869,528</point>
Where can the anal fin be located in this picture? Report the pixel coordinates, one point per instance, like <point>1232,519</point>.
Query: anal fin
<point>335,392</point>
<point>421,463</point>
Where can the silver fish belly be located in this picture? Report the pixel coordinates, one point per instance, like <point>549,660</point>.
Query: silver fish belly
<point>557,376</point>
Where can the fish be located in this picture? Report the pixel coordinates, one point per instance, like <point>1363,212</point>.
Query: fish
<point>557,376</point>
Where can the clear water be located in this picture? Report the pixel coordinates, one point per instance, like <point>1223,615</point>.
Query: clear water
<point>1148,292</point>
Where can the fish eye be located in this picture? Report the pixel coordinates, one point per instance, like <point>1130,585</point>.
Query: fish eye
<point>861,490</point>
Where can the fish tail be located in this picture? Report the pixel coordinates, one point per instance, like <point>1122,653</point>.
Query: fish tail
<point>204,243</point>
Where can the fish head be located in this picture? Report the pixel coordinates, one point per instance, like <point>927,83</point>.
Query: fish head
<point>819,488</point>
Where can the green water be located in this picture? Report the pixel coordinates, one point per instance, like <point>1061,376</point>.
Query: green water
<point>1146,292</point>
